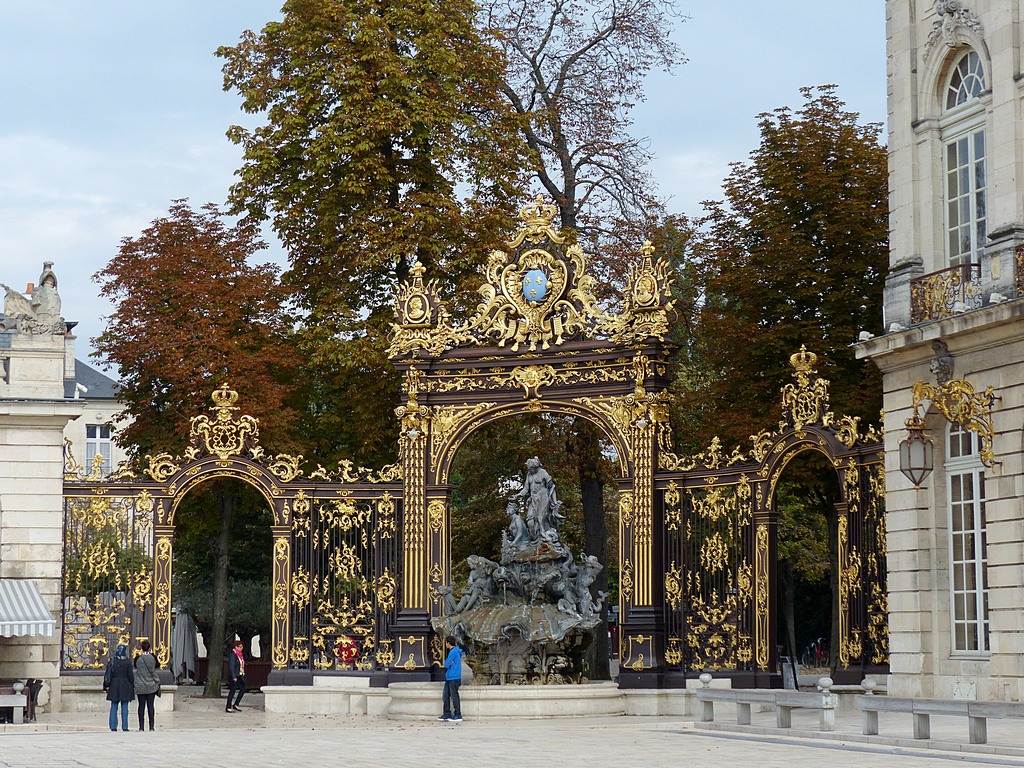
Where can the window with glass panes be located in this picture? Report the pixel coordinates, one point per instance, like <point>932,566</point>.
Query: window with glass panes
<point>966,210</point>
<point>967,543</point>
<point>98,443</point>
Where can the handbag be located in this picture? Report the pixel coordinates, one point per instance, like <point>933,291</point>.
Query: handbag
<point>159,690</point>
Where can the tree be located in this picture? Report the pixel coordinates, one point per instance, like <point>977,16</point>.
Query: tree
<point>795,256</point>
<point>385,139</point>
<point>574,70</point>
<point>192,313</point>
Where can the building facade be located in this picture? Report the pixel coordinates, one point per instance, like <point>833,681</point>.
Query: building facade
<point>951,348</point>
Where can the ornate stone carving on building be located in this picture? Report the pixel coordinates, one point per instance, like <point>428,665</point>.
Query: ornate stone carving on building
<point>954,16</point>
<point>941,365</point>
<point>39,311</point>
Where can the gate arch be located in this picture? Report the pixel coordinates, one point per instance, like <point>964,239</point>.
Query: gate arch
<point>311,512</point>
<point>510,410</point>
<point>721,534</point>
<point>538,342</point>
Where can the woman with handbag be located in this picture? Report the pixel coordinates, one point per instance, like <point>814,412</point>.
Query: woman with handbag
<point>119,685</point>
<point>147,684</point>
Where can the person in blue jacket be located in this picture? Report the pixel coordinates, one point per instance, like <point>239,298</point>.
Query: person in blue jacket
<point>452,681</point>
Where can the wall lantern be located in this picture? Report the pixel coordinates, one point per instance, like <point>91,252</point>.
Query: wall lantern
<point>916,451</point>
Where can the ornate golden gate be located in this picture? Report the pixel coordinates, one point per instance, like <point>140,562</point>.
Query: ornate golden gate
<point>538,342</point>
<point>361,555</point>
<point>336,538</point>
<point>721,539</point>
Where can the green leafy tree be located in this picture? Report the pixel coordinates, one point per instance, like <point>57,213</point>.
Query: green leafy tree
<point>384,139</point>
<point>192,313</point>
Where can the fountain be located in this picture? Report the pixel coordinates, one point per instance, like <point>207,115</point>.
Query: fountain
<point>530,618</point>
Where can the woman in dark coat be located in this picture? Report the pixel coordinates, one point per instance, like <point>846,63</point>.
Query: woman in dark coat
<point>119,683</point>
<point>147,684</point>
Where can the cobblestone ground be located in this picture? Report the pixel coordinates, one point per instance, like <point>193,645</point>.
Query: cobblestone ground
<point>252,738</point>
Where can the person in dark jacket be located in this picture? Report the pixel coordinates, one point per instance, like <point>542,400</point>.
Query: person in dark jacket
<point>147,684</point>
<point>119,684</point>
<point>236,676</point>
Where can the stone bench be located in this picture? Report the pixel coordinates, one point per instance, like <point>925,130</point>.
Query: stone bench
<point>782,701</point>
<point>17,702</point>
<point>977,713</point>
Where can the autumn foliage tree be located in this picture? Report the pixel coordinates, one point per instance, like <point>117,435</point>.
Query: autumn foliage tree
<point>795,255</point>
<point>192,313</point>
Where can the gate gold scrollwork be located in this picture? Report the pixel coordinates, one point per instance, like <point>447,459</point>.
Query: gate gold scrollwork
<point>279,609</point>
<point>761,584</point>
<point>709,544</point>
<point>335,547</point>
<point>957,401</point>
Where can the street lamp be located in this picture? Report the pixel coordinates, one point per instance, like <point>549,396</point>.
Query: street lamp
<point>916,451</point>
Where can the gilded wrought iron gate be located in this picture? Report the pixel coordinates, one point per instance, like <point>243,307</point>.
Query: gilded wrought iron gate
<point>336,549</point>
<point>721,539</point>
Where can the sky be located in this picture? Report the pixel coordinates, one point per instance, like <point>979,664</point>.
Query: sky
<point>111,109</point>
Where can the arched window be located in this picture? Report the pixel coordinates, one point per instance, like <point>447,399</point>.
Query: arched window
<point>968,583</point>
<point>963,134</point>
<point>967,81</point>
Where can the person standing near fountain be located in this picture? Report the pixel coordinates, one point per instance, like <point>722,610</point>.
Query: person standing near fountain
<point>452,680</point>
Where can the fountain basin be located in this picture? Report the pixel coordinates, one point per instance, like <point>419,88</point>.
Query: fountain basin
<point>422,701</point>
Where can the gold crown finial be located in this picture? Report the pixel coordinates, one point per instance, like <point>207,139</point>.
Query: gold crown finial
<point>539,213</point>
<point>225,397</point>
<point>803,361</point>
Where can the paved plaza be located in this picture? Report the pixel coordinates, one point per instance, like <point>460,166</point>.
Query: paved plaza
<point>211,739</point>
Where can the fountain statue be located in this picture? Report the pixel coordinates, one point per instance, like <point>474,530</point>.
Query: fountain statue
<point>531,617</point>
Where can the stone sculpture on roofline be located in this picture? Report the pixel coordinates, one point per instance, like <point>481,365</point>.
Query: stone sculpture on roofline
<point>531,617</point>
<point>39,311</point>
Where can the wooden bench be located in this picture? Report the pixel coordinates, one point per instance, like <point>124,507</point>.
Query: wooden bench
<point>784,702</point>
<point>978,713</point>
<point>17,702</point>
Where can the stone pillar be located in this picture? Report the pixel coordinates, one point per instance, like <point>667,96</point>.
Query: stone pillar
<point>33,414</point>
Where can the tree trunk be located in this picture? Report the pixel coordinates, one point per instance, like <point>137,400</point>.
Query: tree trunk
<point>215,650</point>
<point>588,455</point>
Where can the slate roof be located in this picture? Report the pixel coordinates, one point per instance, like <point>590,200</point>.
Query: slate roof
<point>101,386</point>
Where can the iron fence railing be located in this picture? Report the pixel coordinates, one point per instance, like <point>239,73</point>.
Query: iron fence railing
<point>945,293</point>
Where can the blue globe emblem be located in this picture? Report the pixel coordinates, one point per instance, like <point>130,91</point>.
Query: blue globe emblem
<point>535,285</point>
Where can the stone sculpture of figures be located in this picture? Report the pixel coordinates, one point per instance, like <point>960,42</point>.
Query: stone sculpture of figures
<point>516,537</point>
<point>543,509</point>
<point>481,586</point>
<point>38,313</point>
<point>587,575</point>
<point>447,598</point>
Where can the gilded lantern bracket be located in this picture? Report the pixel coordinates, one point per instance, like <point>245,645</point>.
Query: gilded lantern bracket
<point>960,404</point>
